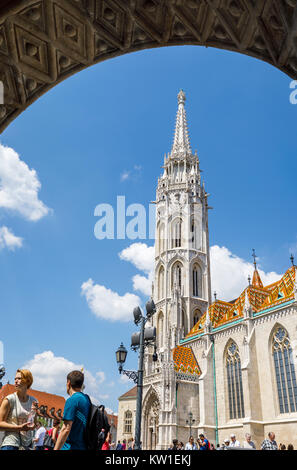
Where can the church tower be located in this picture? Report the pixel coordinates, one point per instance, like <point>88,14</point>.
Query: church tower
<point>182,273</point>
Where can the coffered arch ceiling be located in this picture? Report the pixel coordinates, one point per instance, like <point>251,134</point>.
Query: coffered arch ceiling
<point>43,42</point>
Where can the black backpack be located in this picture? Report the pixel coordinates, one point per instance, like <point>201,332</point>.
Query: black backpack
<point>97,420</point>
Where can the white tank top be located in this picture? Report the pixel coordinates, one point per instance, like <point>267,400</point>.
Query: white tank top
<point>18,414</point>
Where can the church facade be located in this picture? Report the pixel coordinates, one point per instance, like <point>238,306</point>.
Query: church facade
<point>223,367</point>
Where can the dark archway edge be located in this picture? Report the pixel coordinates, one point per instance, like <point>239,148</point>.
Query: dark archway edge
<point>43,42</point>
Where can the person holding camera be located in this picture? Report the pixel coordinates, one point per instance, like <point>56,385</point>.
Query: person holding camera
<point>203,442</point>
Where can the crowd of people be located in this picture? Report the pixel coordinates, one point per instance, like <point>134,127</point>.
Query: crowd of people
<point>22,430</point>
<point>202,443</point>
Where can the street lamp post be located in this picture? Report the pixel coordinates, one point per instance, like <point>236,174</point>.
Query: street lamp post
<point>139,340</point>
<point>190,421</point>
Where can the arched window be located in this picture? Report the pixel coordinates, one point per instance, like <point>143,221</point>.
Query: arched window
<point>197,281</point>
<point>161,283</point>
<point>234,382</point>
<point>177,275</point>
<point>176,234</point>
<point>161,238</point>
<point>128,422</point>
<point>160,330</point>
<point>184,323</point>
<point>196,316</point>
<point>284,371</point>
<point>193,234</point>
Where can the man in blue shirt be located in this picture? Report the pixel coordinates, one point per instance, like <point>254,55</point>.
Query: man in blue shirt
<point>203,442</point>
<point>76,411</point>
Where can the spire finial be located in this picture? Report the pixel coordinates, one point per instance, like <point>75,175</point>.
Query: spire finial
<point>249,280</point>
<point>181,97</point>
<point>292,259</point>
<point>255,257</point>
<point>215,296</point>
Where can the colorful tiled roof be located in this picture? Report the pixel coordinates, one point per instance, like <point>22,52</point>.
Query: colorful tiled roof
<point>260,298</point>
<point>185,361</point>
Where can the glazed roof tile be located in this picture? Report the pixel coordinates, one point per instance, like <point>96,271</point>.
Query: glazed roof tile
<point>260,298</point>
<point>185,361</point>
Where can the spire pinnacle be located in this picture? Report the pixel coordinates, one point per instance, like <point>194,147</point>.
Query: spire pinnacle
<point>181,144</point>
<point>257,282</point>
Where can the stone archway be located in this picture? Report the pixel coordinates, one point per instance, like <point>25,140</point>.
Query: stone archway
<point>42,42</point>
<point>151,413</point>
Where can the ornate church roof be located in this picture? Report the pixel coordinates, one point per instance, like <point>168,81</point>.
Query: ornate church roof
<point>185,361</point>
<point>259,298</point>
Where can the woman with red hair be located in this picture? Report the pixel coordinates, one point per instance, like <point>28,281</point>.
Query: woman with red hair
<point>14,414</point>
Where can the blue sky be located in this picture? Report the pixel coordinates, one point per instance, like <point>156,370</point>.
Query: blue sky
<point>118,118</point>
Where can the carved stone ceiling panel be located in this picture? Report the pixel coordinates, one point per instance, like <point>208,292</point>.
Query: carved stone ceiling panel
<point>43,42</point>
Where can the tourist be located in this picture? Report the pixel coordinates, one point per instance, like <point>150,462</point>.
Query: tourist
<point>203,442</point>
<point>283,447</point>
<point>290,447</point>
<point>226,444</point>
<point>270,443</point>
<point>76,412</point>
<point>191,444</point>
<point>39,436</point>
<point>212,447</point>
<point>234,442</point>
<point>131,444</point>
<point>181,446</point>
<point>52,435</point>
<point>248,443</point>
<point>113,446</point>
<point>16,412</point>
<point>106,443</point>
<point>175,445</point>
<point>119,446</point>
<point>124,445</point>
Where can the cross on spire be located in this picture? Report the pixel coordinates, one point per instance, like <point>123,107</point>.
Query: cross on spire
<point>181,143</point>
<point>292,259</point>
<point>255,257</point>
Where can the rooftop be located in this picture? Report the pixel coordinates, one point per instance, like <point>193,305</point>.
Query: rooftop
<point>259,297</point>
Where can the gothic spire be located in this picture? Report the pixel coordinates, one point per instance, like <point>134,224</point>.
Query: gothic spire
<point>181,144</point>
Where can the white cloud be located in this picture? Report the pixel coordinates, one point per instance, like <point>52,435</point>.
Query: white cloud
<point>140,255</point>
<point>105,303</point>
<point>124,379</point>
<point>19,186</point>
<point>142,284</point>
<point>125,175</point>
<point>229,273</point>
<point>131,174</point>
<point>9,240</point>
<point>50,372</point>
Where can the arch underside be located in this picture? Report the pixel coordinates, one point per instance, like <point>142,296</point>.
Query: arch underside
<point>44,42</point>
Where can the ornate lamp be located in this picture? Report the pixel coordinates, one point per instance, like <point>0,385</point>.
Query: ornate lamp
<point>121,355</point>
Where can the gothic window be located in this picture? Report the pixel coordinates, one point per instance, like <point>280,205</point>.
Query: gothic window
<point>234,382</point>
<point>176,234</point>
<point>161,238</point>
<point>284,371</point>
<point>197,281</point>
<point>177,275</point>
<point>128,422</point>
<point>160,331</point>
<point>184,323</point>
<point>196,316</point>
<point>161,283</point>
<point>192,234</point>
